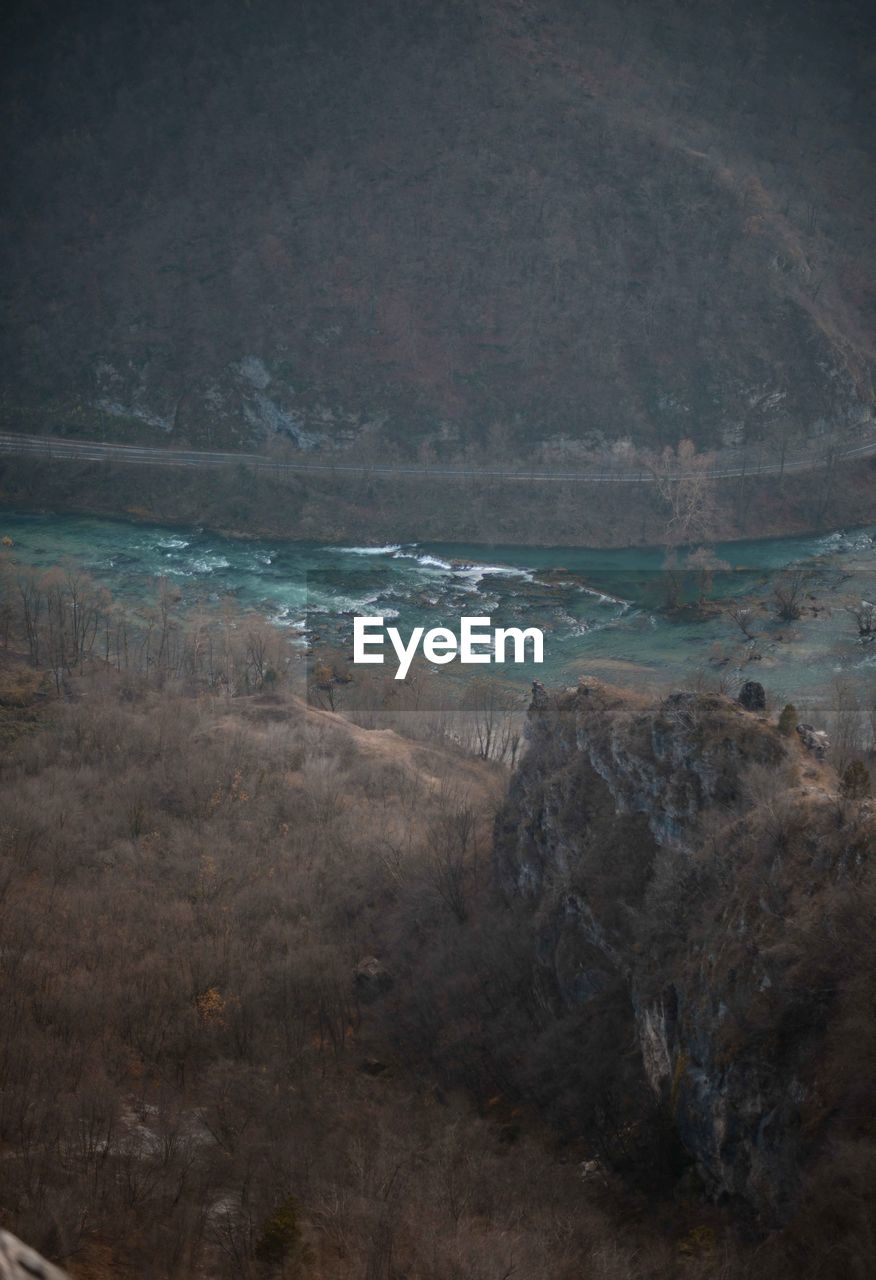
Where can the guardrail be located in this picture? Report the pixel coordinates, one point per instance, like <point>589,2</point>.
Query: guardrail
<point>729,465</point>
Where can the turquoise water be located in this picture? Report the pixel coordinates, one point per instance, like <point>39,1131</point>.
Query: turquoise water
<point>601,611</point>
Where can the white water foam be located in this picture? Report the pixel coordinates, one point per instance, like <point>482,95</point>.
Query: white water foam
<point>474,574</point>
<point>427,561</point>
<point>390,549</point>
<point>604,598</point>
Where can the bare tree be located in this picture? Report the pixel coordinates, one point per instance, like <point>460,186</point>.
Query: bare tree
<point>31,598</point>
<point>494,716</point>
<point>743,616</point>
<point>788,592</point>
<point>450,844</point>
<point>864,615</point>
<point>847,720</point>
<point>684,482</point>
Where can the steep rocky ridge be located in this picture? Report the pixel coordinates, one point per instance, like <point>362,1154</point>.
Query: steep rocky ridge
<point>704,865</point>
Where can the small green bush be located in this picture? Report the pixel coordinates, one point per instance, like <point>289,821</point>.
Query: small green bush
<point>788,719</point>
<point>280,1233</point>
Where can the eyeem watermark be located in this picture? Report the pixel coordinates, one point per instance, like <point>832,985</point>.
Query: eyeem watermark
<point>441,645</point>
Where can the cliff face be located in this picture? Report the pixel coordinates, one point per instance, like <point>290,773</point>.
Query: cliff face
<point>690,852</point>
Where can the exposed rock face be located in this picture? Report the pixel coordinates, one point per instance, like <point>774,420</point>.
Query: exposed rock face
<point>17,1262</point>
<point>814,740</point>
<point>372,978</point>
<point>631,831</point>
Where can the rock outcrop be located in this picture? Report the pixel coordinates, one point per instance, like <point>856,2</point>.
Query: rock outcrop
<point>18,1262</point>
<point>678,849</point>
<point>814,740</point>
<point>371,978</point>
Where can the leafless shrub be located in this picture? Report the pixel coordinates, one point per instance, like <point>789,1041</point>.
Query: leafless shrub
<point>864,616</point>
<point>788,592</point>
<point>744,616</point>
<point>847,722</point>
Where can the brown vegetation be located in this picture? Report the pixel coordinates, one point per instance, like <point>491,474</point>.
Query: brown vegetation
<point>439,224</point>
<point>266,1015</point>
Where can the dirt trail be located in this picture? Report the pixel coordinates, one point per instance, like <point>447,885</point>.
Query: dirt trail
<point>434,765</point>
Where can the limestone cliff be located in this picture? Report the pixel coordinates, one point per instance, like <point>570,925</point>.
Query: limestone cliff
<point>688,850</point>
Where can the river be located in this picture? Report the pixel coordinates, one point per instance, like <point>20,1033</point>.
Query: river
<point>602,612</point>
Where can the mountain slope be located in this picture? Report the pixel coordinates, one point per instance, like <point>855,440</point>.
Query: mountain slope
<point>491,223</point>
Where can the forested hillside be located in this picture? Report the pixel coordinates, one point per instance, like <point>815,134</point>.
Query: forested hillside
<point>286,996</point>
<point>440,223</point>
